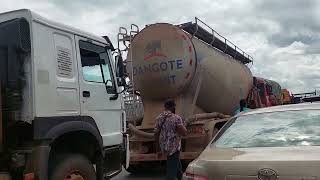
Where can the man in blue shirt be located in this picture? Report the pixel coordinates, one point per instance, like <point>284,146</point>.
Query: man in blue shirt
<point>243,107</point>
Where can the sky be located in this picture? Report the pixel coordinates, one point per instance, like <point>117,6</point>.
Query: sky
<point>281,35</point>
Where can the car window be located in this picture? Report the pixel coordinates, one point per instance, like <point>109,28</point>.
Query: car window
<point>276,129</point>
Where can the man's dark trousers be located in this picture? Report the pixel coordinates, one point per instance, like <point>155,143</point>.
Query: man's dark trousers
<point>174,167</point>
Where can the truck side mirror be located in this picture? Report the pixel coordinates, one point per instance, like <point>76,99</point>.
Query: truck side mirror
<point>120,66</point>
<point>120,70</point>
<point>110,87</point>
<point>111,90</point>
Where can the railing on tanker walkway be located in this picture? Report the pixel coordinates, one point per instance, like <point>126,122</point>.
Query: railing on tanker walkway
<point>216,40</point>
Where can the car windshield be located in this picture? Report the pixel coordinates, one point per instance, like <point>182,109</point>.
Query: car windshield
<point>275,129</point>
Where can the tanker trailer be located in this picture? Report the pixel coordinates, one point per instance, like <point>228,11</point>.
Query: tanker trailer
<point>202,72</point>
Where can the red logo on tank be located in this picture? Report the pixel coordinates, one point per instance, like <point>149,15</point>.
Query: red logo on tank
<point>153,49</point>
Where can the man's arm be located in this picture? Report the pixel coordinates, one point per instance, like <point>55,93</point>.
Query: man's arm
<point>157,128</point>
<point>181,128</point>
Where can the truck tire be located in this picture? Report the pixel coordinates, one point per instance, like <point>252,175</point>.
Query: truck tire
<point>72,166</point>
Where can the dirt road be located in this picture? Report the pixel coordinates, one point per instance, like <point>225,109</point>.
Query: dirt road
<point>124,175</point>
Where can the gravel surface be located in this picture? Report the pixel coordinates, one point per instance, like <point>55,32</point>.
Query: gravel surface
<point>151,175</point>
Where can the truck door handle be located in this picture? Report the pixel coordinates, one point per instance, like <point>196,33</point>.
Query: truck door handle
<point>86,93</point>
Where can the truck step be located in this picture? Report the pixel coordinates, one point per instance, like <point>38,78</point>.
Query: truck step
<point>110,175</point>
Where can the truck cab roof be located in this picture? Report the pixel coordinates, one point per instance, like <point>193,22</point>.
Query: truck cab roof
<point>31,16</point>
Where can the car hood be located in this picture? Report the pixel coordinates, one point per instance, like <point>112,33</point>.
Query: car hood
<point>262,154</point>
<point>245,163</point>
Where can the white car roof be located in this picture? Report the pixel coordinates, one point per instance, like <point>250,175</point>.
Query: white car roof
<point>291,107</point>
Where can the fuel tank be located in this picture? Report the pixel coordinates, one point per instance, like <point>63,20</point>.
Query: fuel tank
<point>168,62</point>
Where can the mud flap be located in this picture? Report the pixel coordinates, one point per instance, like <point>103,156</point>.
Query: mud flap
<point>127,151</point>
<point>37,164</point>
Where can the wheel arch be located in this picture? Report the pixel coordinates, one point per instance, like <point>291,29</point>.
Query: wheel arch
<point>69,134</point>
<point>74,127</point>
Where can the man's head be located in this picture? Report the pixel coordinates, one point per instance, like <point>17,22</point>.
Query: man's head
<point>170,105</point>
<point>243,103</point>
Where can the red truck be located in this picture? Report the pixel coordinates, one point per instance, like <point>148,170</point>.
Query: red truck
<point>264,93</point>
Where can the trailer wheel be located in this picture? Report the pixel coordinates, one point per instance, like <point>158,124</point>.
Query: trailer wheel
<point>73,167</point>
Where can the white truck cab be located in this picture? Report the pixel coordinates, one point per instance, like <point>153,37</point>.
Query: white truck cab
<point>62,116</point>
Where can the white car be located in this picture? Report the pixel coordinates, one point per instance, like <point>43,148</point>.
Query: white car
<point>280,142</point>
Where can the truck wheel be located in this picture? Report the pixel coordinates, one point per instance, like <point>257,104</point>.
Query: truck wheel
<point>73,167</point>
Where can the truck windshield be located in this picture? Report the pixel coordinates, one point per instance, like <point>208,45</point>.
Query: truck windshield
<point>276,129</point>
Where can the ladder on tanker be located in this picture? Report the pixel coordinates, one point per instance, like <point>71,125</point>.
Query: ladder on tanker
<point>132,101</point>
<point>216,40</point>
<point>124,39</point>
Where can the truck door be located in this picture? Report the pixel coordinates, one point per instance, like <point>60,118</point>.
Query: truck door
<point>98,89</point>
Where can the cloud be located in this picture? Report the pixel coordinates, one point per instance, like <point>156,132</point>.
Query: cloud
<point>297,20</point>
<point>282,36</point>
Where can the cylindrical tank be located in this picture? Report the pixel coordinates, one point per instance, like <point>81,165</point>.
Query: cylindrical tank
<point>167,60</point>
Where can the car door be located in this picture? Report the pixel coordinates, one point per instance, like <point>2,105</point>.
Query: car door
<point>98,89</point>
